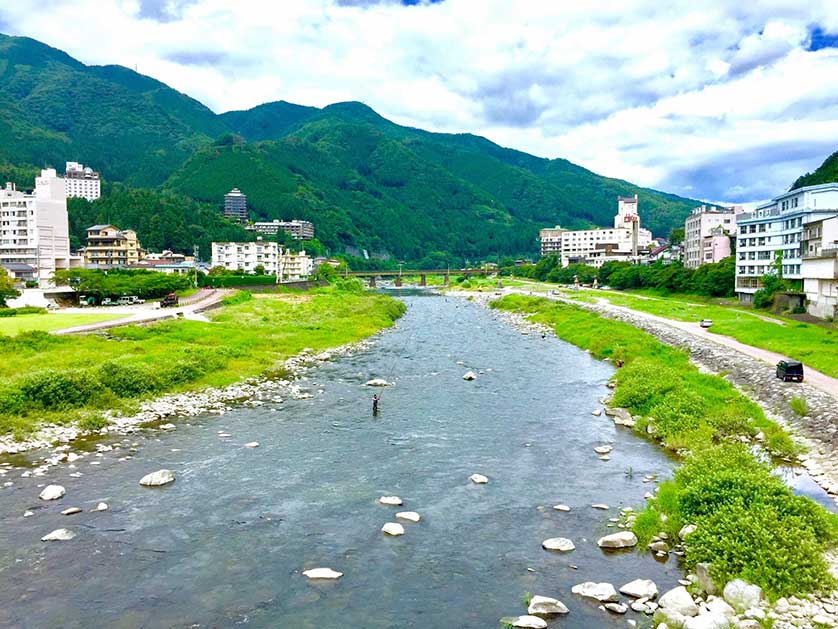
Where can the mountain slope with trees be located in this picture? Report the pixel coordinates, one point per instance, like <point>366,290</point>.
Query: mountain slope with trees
<point>365,182</point>
<point>825,173</point>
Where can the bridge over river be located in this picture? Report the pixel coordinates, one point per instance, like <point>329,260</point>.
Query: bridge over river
<point>423,274</point>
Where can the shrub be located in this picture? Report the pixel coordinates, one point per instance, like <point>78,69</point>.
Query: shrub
<point>129,380</point>
<point>799,406</point>
<point>23,310</point>
<point>641,381</point>
<point>239,297</point>
<point>56,390</point>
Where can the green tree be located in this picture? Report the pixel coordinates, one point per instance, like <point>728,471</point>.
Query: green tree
<point>7,287</point>
<point>676,236</point>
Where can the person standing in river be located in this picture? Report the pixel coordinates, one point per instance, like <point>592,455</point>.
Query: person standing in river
<point>375,399</point>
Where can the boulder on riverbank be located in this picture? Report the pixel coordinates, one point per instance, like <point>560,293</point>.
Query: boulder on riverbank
<point>679,600</point>
<point>158,478</point>
<point>528,622</point>
<point>640,588</point>
<point>741,595</point>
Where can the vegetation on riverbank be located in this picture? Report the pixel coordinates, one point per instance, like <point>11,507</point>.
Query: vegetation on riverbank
<point>12,326</point>
<point>749,524</point>
<point>815,345</point>
<point>63,379</point>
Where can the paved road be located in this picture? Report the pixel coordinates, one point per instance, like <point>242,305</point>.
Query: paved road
<point>189,308</point>
<point>815,378</point>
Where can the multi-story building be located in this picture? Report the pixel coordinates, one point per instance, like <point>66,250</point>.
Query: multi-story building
<point>298,230</point>
<point>774,230</point>
<point>699,226</point>
<point>819,246</point>
<point>109,247</point>
<point>81,182</point>
<point>244,257</point>
<point>597,246</point>
<point>551,241</point>
<point>235,206</point>
<point>294,267</point>
<point>34,228</point>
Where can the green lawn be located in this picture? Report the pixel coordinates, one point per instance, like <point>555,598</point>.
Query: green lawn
<point>10,326</point>
<point>67,378</point>
<point>814,345</point>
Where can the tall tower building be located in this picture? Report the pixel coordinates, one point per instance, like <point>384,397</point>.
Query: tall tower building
<point>81,182</point>
<point>235,206</point>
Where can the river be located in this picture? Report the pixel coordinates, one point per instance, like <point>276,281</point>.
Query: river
<point>226,543</point>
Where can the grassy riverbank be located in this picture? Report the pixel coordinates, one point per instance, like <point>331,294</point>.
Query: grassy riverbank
<point>11,326</point>
<point>73,378</point>
<point>749,523</point>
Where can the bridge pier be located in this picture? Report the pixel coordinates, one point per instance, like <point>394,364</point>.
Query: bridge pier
<point>423,280</point>
<point>398,281</point>
<point>372,281</point>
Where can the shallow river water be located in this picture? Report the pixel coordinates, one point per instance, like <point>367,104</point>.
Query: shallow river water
<point>227,542</point>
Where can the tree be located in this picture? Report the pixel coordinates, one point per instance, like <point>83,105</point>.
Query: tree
<point>7,287</point>
<point>676,236</point>
<point>325,272</point>
<point>259,269</point>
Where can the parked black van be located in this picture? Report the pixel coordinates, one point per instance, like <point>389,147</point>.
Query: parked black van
<point>790,370</point>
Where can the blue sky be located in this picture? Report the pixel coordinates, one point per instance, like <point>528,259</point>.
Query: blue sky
<point>716,100</point>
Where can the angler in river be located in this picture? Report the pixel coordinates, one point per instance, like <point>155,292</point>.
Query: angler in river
<point>375,400</point>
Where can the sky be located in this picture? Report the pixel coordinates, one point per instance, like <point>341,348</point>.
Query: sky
<point>715,100</point>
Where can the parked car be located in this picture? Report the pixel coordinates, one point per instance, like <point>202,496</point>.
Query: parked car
<point>790,370</point>
<point>107,301</point>
<point>169,300</point>
<point>129,300</point>
<point>706,323</point>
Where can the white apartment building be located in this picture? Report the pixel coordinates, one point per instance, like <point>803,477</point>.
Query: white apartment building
<point>244,257</point>
<point>820,267</point>
<point>81,182</point>
<point>775,227</point>
<point>597,246</point>
<point>702,224</point>
<point>298,230</point>
<point>34,228</point>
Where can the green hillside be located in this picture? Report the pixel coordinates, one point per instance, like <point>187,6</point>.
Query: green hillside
<point>364,181</point>
<point>825,173</point>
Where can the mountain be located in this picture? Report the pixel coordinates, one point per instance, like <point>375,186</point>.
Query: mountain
<point>364,181</point>
<point>825,173</point>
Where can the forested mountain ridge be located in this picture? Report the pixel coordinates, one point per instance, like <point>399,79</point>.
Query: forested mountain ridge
<point>825,173</point>
<point>364,181</point>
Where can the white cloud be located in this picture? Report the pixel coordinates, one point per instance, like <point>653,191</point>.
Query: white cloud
<point>715,99</point>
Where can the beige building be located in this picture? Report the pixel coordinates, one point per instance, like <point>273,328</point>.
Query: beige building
<point>244,257</point>
<point>109,247</point>
<point>819,248</point>
<point>597,246</point>
<point>702,224</point>
<point>81,181</point>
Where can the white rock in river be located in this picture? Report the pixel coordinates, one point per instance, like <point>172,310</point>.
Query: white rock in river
<point>28,513</point>
<point>596,412</point>
<point>52,492</point>
<point>322,573</point>
<point>410,516</point>
<point>741,595</point>
<point>155,479</point>
<point>561,508</point>
<point>252,444</point>
<point>623,539</point>
<point>377,382</point>
<point>58,535</point>
<point>640,588</point>
<point>71,511</point>
<point>558,543</point>
<point>602,592</point>
<point>603,449</point>
<point>679,600</point>
<point>469,375</point>
<point>686,530</point>
<point>102,506</point>
<point>617,608</point>
<point>391,501</point>
<point>544,606</point>
<point>600,506</point>
<point>529,622</point>
<point>393,528</point>
<point>478,479</point>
